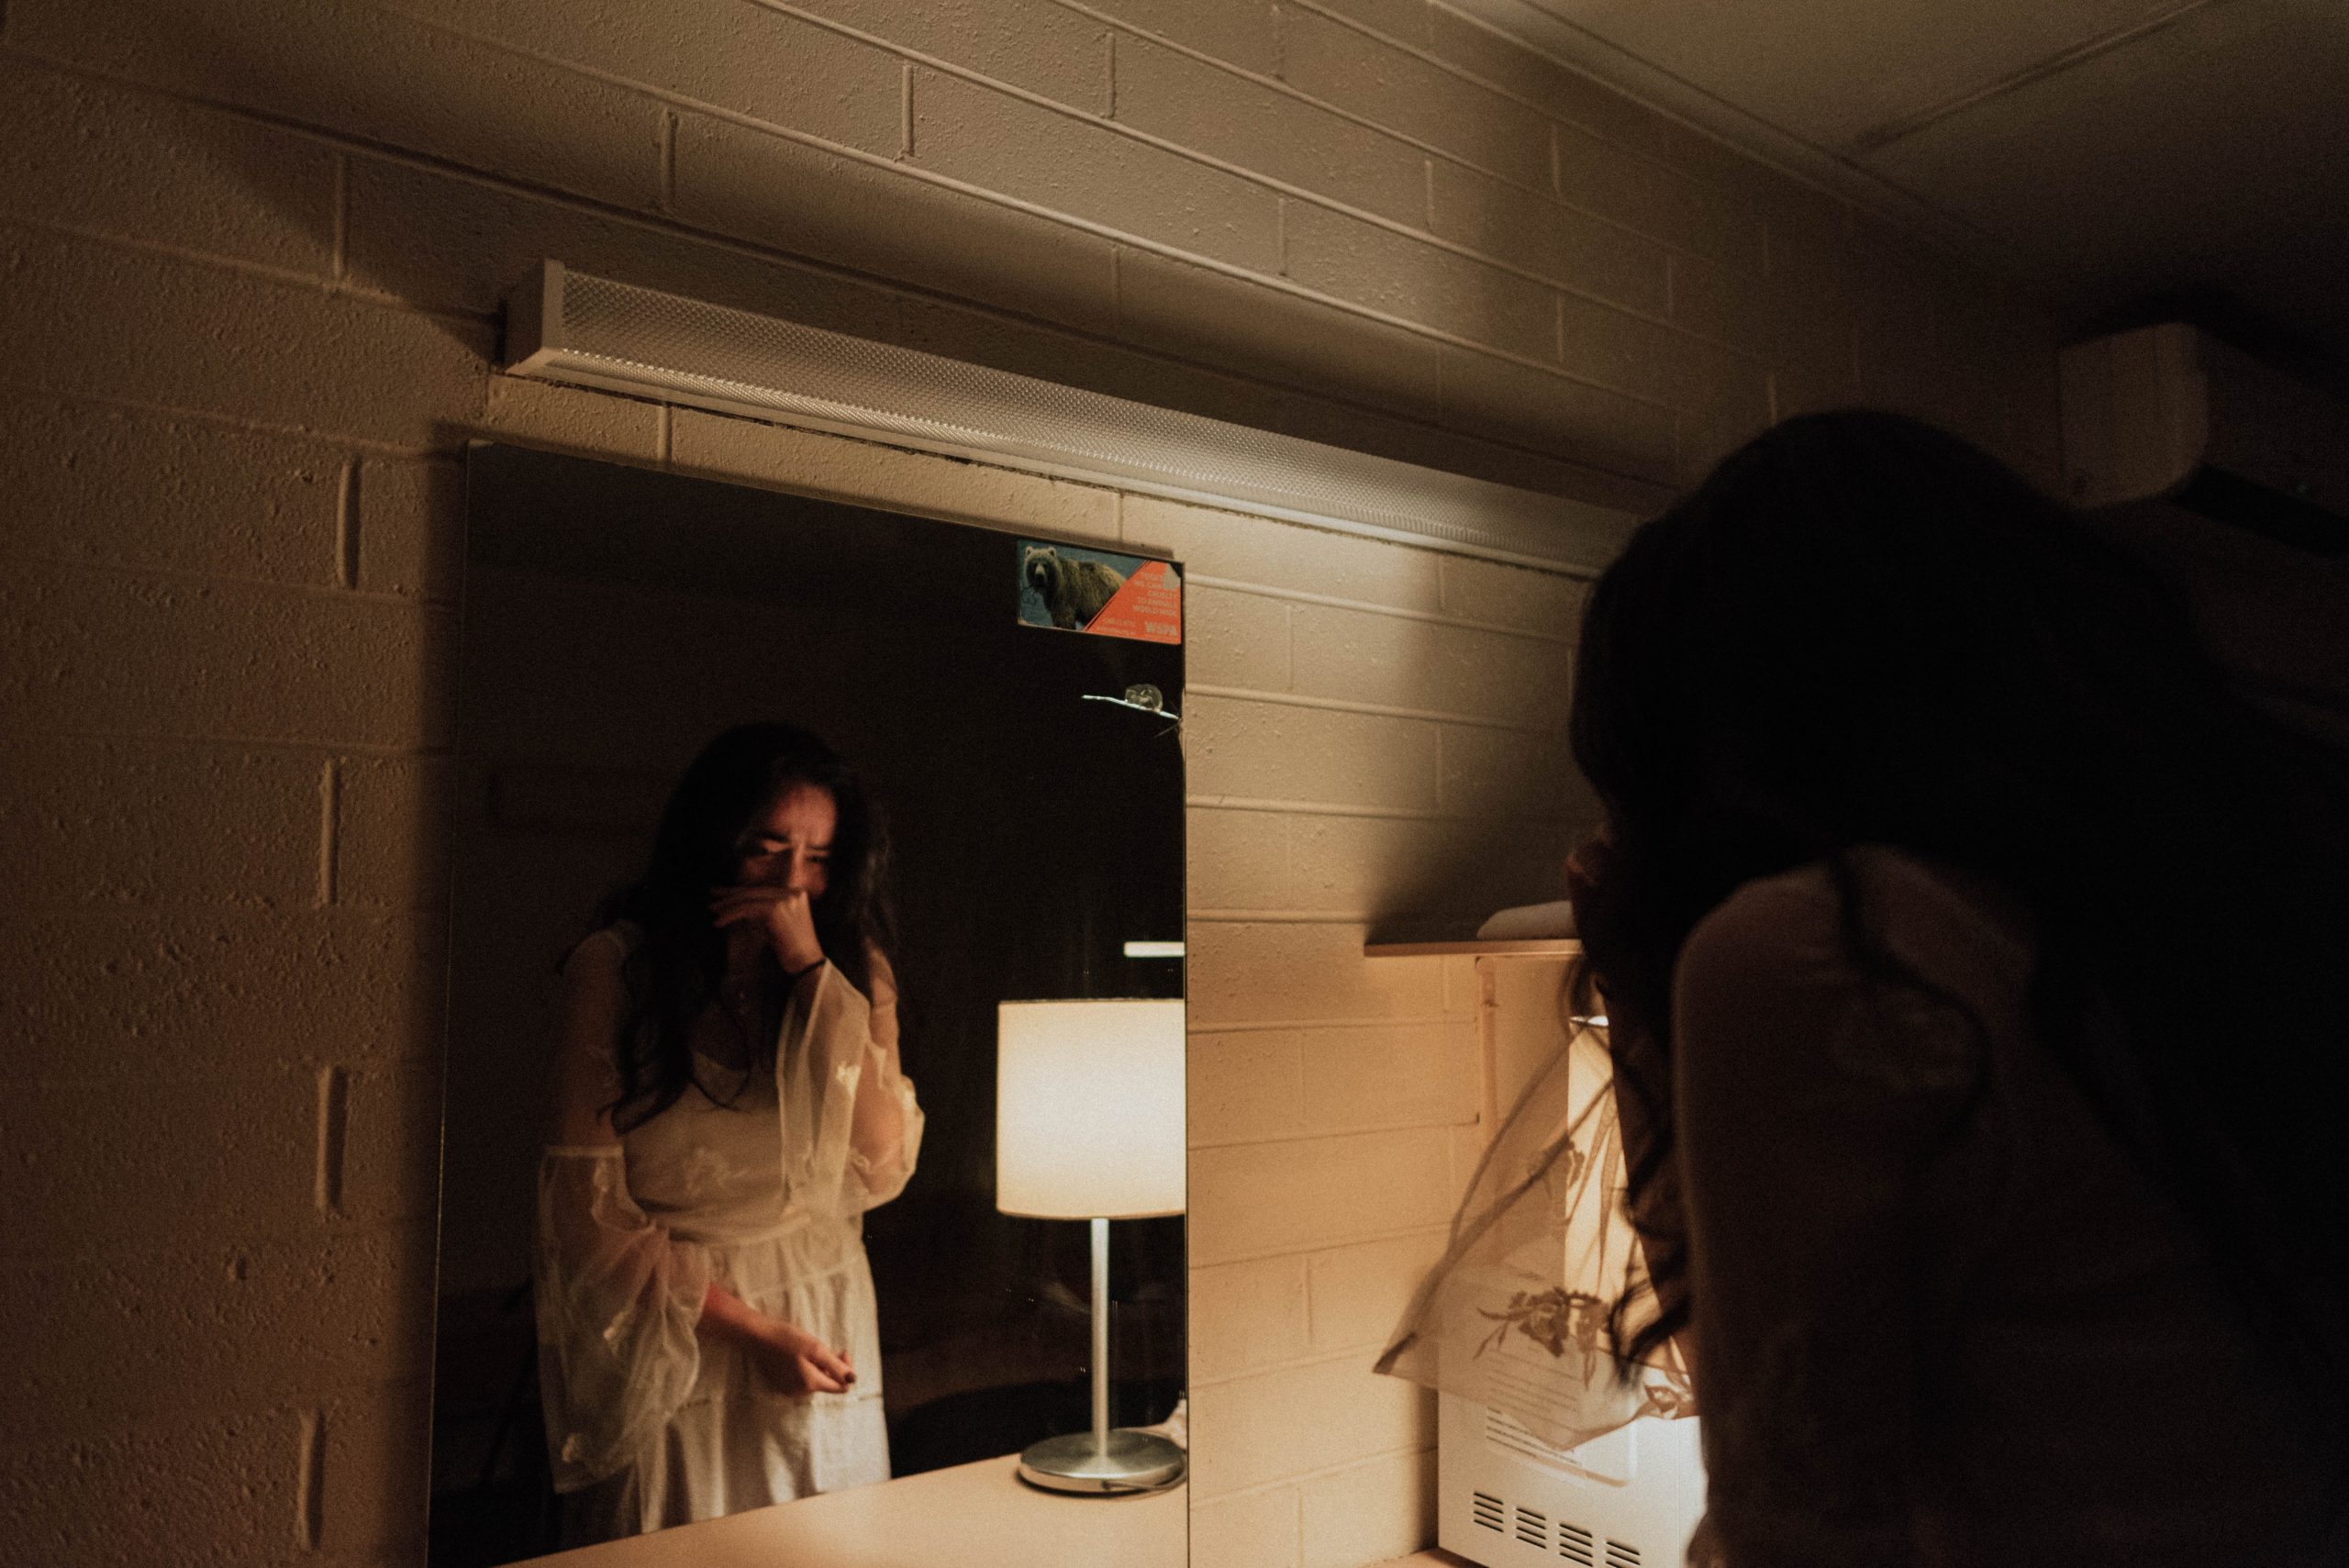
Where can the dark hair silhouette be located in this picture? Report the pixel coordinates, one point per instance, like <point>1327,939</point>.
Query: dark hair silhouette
<point>1862,630</point>
<point>674,971</point>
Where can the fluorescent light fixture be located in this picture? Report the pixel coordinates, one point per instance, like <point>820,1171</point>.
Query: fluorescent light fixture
<point>568,326</point>
<point>1153,950</point>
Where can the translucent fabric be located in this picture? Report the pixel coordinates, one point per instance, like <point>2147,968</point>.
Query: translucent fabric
<point>617,1299</point>
<point>1516,1315</point>
<point>842,1097</point>
<point>758,1190</point>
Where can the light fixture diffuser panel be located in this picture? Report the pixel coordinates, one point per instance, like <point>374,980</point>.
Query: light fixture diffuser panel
<point>569,326</point>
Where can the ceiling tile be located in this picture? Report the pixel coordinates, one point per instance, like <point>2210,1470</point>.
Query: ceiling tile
<point>2183,152</point>
<point>1832,72</point>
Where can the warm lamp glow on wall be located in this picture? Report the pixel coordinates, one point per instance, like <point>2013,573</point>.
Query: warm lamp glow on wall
<point>1089,1126</point>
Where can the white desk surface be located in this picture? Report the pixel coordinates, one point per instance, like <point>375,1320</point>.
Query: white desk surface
<point>973,1516</point>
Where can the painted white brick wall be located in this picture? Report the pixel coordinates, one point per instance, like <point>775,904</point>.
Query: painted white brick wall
<point>252,252</point>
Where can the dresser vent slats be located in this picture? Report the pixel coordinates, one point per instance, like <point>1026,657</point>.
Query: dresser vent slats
<point>1573,1542</point>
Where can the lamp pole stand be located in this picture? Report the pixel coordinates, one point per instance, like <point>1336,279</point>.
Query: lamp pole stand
<point>1102,1461</point>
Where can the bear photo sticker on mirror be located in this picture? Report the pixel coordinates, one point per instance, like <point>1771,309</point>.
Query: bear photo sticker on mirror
<point>1099,591</point>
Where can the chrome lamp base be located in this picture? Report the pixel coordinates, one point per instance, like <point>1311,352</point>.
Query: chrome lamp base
<point>1105,1460</point>
<point>1122,1461</point>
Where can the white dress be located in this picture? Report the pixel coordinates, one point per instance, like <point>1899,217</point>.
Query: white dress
<point>648,1424</point>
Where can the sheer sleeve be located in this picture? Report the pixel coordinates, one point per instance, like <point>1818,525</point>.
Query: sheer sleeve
<point>618,1302</point>
<point>851,1128</point>
<point>888,1120</point>
<point>1810,1100</point>
<point>617,1297</point>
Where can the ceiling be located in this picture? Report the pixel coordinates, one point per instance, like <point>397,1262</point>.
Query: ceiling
<point>2125,159</point>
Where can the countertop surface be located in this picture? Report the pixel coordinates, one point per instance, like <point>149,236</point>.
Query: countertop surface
<point>973,1516</point>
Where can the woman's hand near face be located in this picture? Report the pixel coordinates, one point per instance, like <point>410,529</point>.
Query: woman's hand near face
<point>787,917</point>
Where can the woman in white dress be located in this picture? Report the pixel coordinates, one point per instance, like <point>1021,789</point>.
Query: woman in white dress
<point>728,1103</point>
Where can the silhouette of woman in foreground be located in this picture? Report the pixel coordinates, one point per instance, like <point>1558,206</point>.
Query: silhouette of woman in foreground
<point>1976,958</point>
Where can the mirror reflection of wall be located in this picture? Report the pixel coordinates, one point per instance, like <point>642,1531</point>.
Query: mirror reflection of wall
<point>615,621</point>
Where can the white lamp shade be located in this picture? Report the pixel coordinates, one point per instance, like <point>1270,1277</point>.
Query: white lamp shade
<point>1090,1109</point>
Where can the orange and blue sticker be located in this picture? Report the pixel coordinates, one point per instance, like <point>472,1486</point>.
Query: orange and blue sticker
<point>1098,592</point>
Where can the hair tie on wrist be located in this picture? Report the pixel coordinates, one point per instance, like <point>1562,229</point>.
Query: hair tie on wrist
<point>795,973</point>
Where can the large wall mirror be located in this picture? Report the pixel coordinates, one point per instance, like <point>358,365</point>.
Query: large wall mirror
<point>647,661</point>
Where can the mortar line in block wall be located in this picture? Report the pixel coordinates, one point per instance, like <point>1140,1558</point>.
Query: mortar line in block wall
<point>1342,808</point>
<point>1245,916</point>
<point>333,1135</point>
<point>320,283</point>
<point>1392,612</point>
<point>254,272</point>
<point>1294,193</point>
<point>338,248</point>
<point>1298,1479</point>
<point>1037,100</point>
<point>1361,1462</point>
<point>1378,710</point>
<point>408,158</point>
<point>329,828</point>
<point>1320,1244</point>
<point>1277,82</point>
<point>1363,1130</point>
<point>1116,25</point>
<point>1300,1026</point>
<point>291,586</point>
<point>309,1502</point>
<point>665,202</point>
<point>1365,1351</point>
<point>345,526</point>
<point>315,745</point>
<point>1452,68</point>
<point>1308,1253</point>
<point>214,418</point>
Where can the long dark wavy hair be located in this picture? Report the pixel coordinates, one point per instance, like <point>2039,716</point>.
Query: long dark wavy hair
<point>675,967</point>
<point>1861,630</point>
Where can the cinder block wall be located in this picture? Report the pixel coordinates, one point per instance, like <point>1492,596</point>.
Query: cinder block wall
<point>250,255</point>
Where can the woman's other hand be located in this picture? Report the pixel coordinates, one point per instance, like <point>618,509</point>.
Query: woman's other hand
<point>786,917</point>
<point>792,1361</point>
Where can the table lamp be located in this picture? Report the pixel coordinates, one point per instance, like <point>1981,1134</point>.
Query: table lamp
<point>1089,1126</point>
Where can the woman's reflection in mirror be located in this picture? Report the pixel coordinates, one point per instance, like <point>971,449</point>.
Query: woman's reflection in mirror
<point>728,1102</point>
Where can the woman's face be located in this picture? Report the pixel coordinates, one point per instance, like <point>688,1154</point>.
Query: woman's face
<point>789,844</point>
